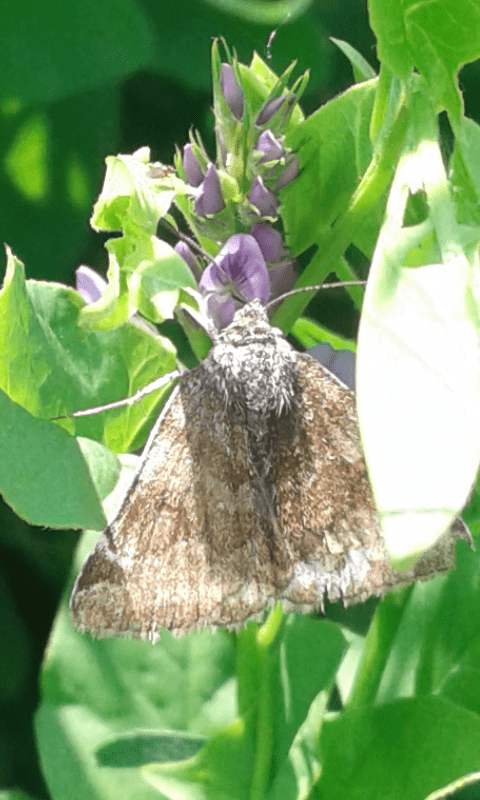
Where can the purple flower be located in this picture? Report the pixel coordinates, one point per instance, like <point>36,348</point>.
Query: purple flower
<point>283,272</point>
<point>270,147</point>
<point>193,170</point>
<point>271,108</point>
<point>239,269</point>
<point>89,284</point>
<point>263,198</point>
<point>209,199</point>
<point>231,91</point>
<point>289,173</point>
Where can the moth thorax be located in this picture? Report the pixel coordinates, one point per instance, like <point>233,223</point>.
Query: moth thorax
<point>259,376</point>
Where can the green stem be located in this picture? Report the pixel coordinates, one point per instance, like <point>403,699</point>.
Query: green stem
<point>377,647</point>
<point>264,738</point>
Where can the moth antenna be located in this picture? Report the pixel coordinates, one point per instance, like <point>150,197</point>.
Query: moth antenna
<point>127,401</point>
<point>335,285</point>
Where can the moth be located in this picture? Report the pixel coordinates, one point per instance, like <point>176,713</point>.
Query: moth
<point>252,489</point>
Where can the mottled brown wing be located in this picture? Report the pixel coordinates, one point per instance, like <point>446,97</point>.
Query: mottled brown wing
<point>326,506</point>
<point>215,528</point>
<point>186,549</point>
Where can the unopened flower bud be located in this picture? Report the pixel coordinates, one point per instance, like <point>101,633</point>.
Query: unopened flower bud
<point>184,252</point>
<point>270,242</point>
<point>289,173</point>
<point>210,198</point>
<point>193,170</point>
<point>262,198</point>
<point>271,109</point>
<point>270,147</point>
<point>231,91</point>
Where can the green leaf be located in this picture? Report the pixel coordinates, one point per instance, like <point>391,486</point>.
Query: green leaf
<point>418,387</point>
<point>110,706</point>
<point>334,149</point>
<point>155,286</point>
<point>388,24</point>
<point>310,653</point>
<point>43,475</point>
<point>72,740</point>
<point>452,638</point>
<point>284,685</point>
<point>420,638</point>
<point>437,38</point>
<point>365,752</point>
<point>130,196</point>
<point>309,333</point>
<point>219,772</point>
<point>361,68</point>
<point>465,172</point>
<point>145,275</point>
<point>51,366</point>
<point>103,465</point>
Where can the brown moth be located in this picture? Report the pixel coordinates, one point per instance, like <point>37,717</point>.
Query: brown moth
<point>252,488</point>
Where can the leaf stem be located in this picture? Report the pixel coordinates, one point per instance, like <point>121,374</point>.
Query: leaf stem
<point>378,643</point>
<point>265,637</point>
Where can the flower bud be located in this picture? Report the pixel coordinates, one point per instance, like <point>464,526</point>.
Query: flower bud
<point>231,91</point>
<point>184,252</point>
<point>270,147</point>
<point>270,242</point>
<point>262,198</point>
<point>89,284</point>
<point>289,173</point>
<point>270,109</point>
<point>193,170</point>
<point>283,273</point>
<point>210,198</point>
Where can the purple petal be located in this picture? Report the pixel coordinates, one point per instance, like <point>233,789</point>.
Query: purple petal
<point>289,173</point>
<point>213,279</point>
<point>231,91</point>
<point>241,267</point>
<point>282,277</point>
<point>269,146</point>
<point>271,109</point>
<point>263,198</point>
<point>270,242</point>
<point>193,170</point>
<point>210,198</point>
<point>221,308</point>
<point>89,284</point>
